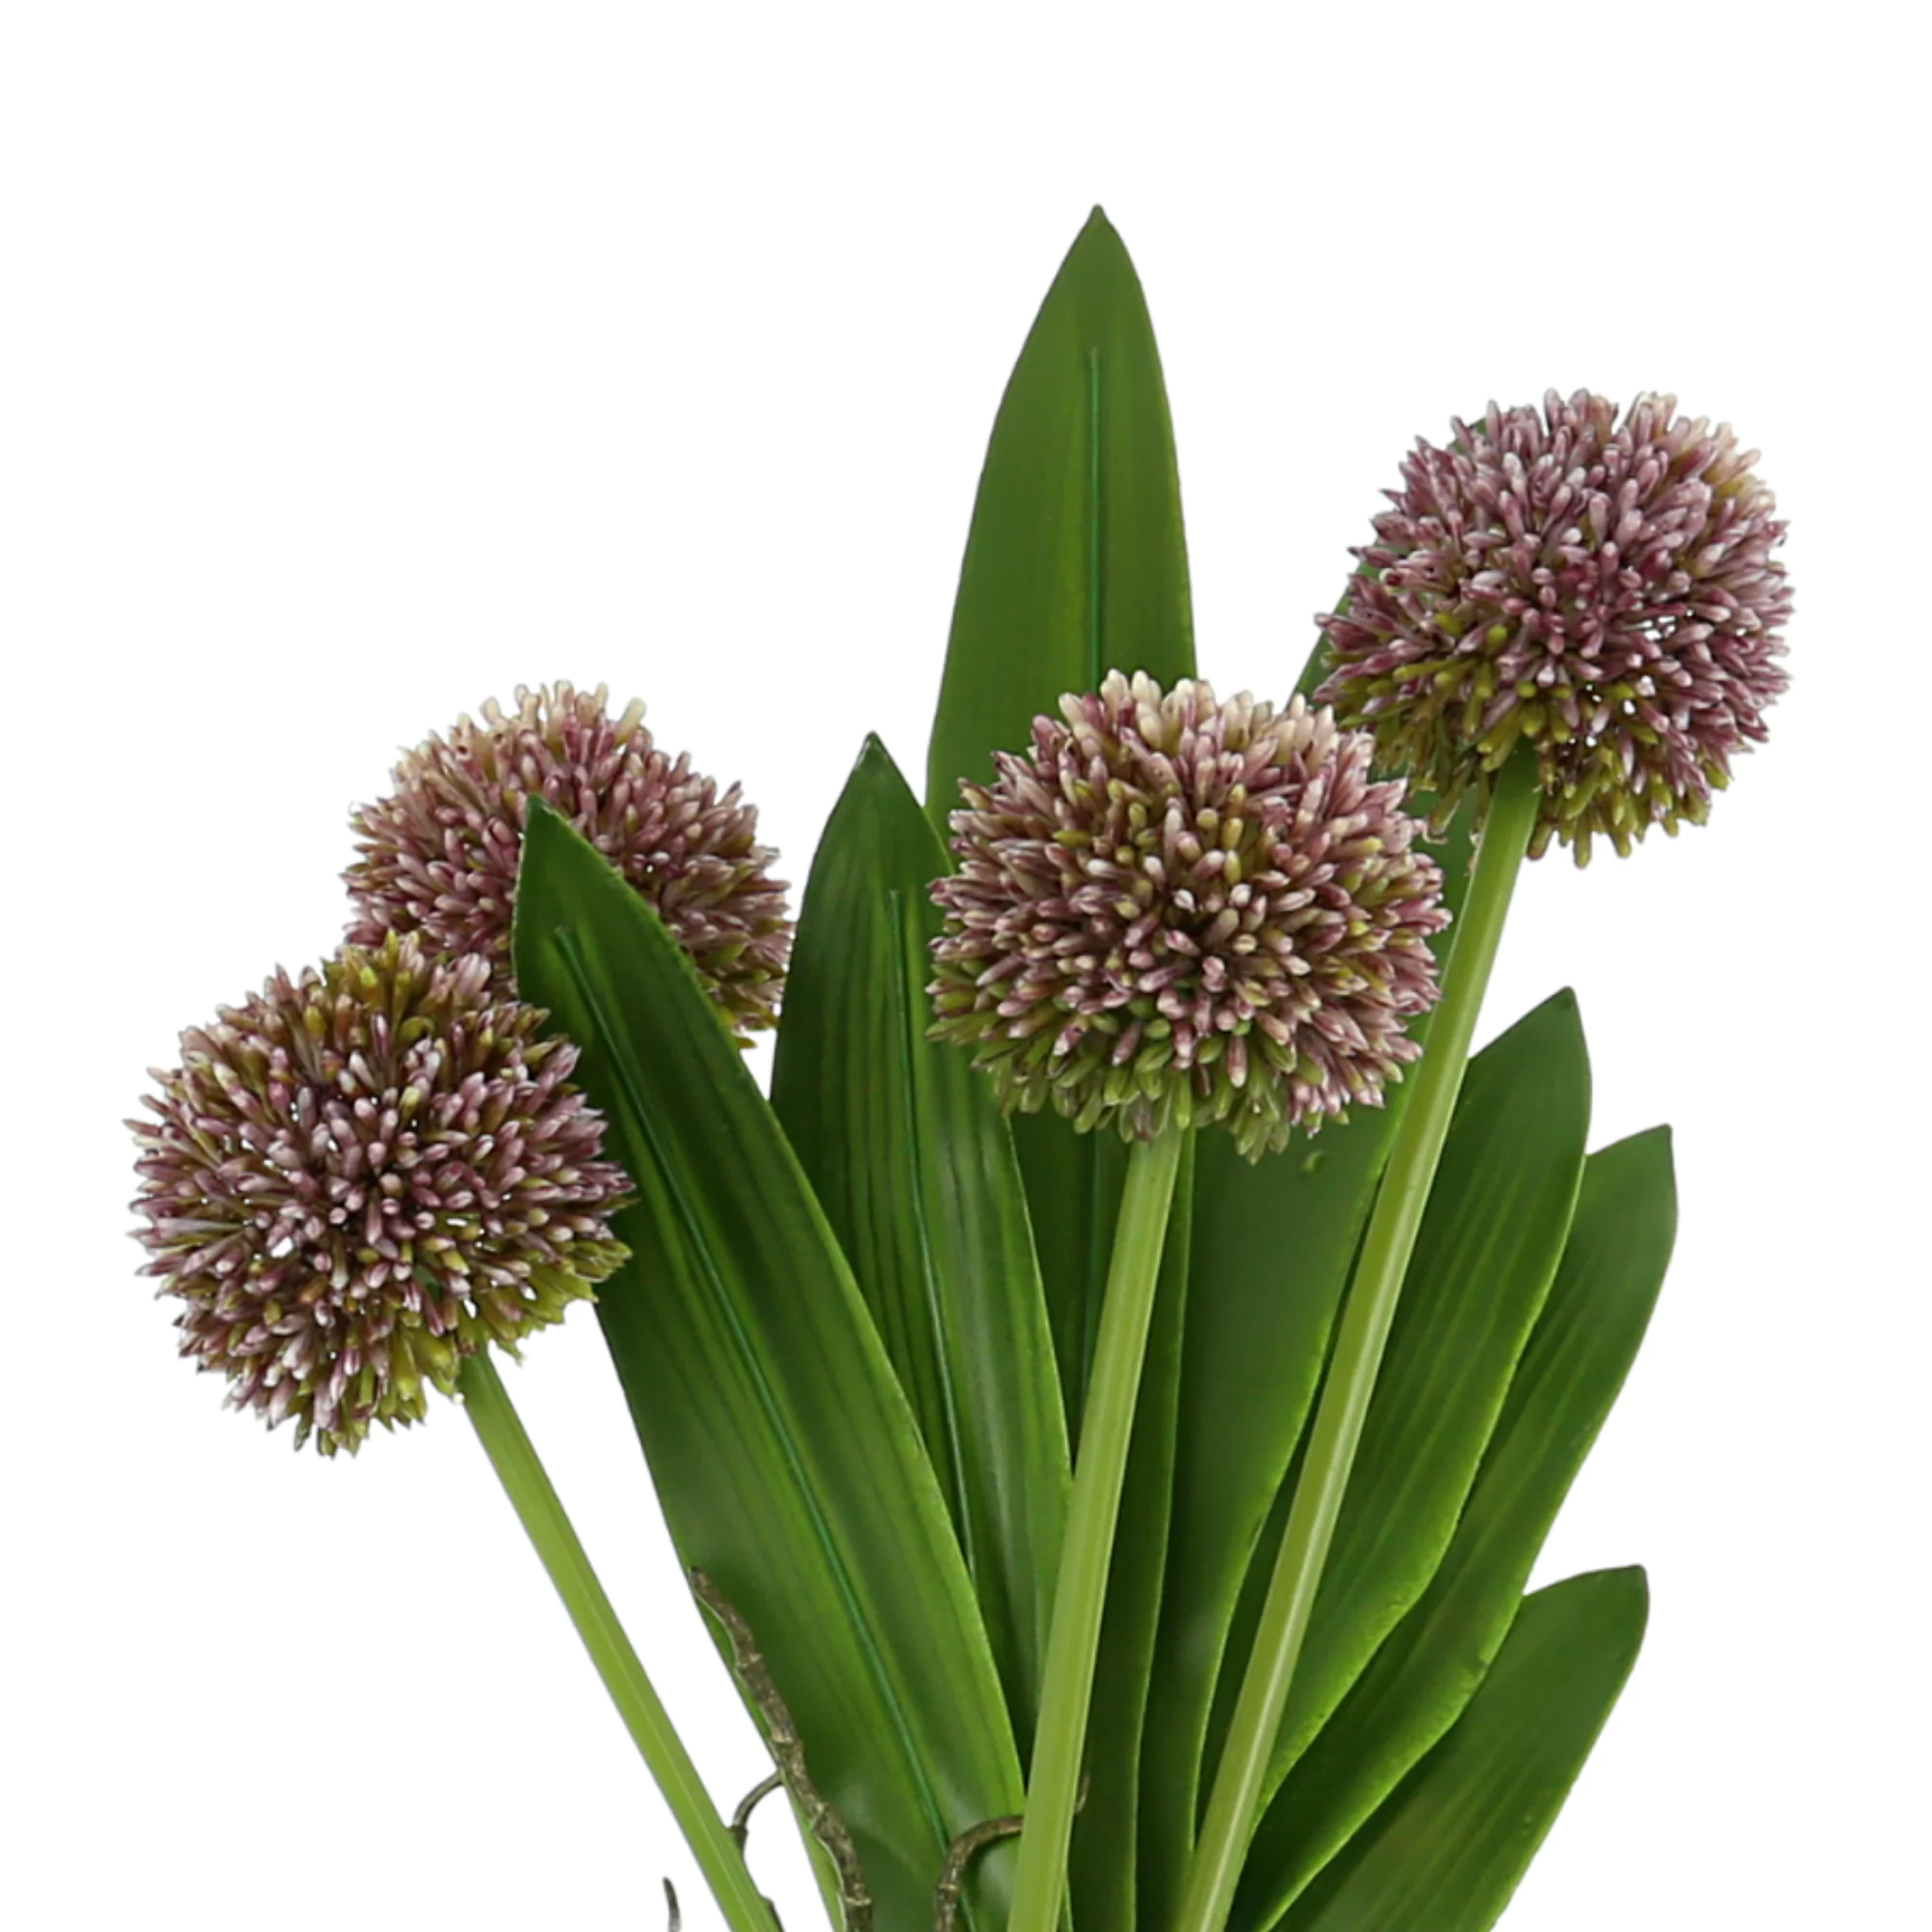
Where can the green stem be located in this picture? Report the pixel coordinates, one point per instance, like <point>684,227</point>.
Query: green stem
<point>536,1501</point>
<point>1080,1593</point>
<point>1241,1779</point>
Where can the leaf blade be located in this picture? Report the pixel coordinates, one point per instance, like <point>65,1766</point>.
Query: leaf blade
<point>1075,564</point>
<point>1258,1331</point>
<point>1424,1676</point>
<point>1448,1849</point>
<point>782,1449</point>
<point>1076,561</point>
<point>1489,1245</point>
<point>906,1150</point>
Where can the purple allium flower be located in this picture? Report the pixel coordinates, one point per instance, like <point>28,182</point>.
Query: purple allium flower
<point>357,1177</point>
<point>1176,910</point>
<point>1600,591</point>
<point>439,855</point>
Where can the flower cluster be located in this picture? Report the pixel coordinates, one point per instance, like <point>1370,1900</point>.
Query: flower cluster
<point>439,856</point>
<point>1599,591</point>
<point>357,1177</point>
<point>1176,910</point>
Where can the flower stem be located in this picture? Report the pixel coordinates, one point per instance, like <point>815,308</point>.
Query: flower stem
<point>1080,1593</point>
<point>536,1501</point>
<point>1239,1781</point>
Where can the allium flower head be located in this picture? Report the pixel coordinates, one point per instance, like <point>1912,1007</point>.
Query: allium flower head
<point>439,856</point>
<point>1600,590</point>
<point>355,1179</point>
<point>1176,911</point>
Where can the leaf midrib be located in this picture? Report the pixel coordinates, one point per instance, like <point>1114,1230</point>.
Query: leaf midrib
<point>1098,1250</point>
<point>903,1022</point>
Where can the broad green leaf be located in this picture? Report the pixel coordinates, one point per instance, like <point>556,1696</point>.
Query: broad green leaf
<point>1075,565</point>
<point>783,1448</point>
<point>1075,562</point>
<point>1448,1849</point>
<point>1488,1251</point>
<point>1426,1673</point>
<point>905,1147</point>
<point>1102,1864</point>
<point>1271,1250</point>
<point>1272,1245</point>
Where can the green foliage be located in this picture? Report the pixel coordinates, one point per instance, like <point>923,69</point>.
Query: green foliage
<point>913,1165</point>
<point>1487,1252</point>
<point>856,1329</point>
<point>1075,564</point>
<point>1448,1848</point>
<point>1258,1335</point>
<point>1424,1675</point>
<point>781,1445</point>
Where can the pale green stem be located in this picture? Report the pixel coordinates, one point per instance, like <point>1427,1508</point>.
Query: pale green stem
<point>1080,1593</point>
<point>1240,1781</point>
<point>536,1501</point>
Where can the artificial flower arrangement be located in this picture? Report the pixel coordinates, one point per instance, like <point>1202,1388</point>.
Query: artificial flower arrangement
<point>1110,1396</point>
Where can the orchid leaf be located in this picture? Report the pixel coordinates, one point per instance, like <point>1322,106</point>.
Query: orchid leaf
<point>783,1448</point>
<point>906,1150</point>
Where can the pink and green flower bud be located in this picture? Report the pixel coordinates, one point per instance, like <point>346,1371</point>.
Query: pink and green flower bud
<point>356,1179</point>
<point>1599,591</point>
<point>439,856</point>
<point>1177,912</point>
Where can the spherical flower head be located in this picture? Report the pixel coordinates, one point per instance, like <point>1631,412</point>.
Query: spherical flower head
<point>355,1179</point>
<point>439,856</point>
<point>1599,591</point>
<point>1176,911</point>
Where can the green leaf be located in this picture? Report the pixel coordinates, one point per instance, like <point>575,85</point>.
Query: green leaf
<point>1104,1833</point>
<point>1272,1246</point>
<point>1488,1247</point>
<point>1450,1846</point>
<point>782,1447</point>
<point>1424,1676</point>
<point>907,1153</point>
<point>1075,564</point>
<point>1498,1215</point>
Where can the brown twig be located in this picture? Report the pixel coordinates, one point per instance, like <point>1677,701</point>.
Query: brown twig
<point>781,1735</point>
<point>960,1853</point>
<point>741,1819</point>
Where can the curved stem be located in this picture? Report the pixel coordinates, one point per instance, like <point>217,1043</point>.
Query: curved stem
<point>1080,1593</point>
<point>1241,1777</point>
<point>536,1501</point>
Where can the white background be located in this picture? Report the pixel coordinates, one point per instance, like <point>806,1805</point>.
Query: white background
<point>360,362</point>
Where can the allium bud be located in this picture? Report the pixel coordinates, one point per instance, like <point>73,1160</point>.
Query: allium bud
<point>1599,591</point>
<point>1176,911</point>
<point>355,1179</point>
<point>439,856</point>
